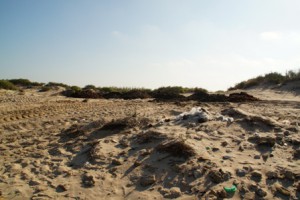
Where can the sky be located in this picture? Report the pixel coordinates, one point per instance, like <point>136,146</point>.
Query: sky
<point>148,43</point>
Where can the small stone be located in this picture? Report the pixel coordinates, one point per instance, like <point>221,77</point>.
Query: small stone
<point>247,168</point>
<point>253,187</point>
<point>226,176</point>
<point>147,180</point>
<point>113,170</point>
<point>241,172</point>
<point>145,152</point>
<point>137,163</point>
<point>221,133</point>
<point>294,123</point>
<point>61,188</point>
<point>116,162</point>
<point>198,173</point>
<point>297,154</point>
<point>33,183</point>
<point>241,148</point>
<point>271,175</point>
<point>265,156</point>
<point>257,157</point>
<point>124,142</point>
<point>113,141</point>
<point>235,182</point>
<point>294,129</point>
<point>230,119</point>
<point>106,141</point>
<point>286,133</point>
<point>40,188</point>
<point>256,176</point>
<point>202,120</point>
<point>221,118</point>
<point>289,175</point>
<point>221,194</point>
<point>214,149</point>
<point>218,176</point>
<point>262,140</point>
<point>243,190</point>
<point>224,144</point>
<point>226,157</point>
<point>88,180</point>
<point>286,122</point>
<point>173,193</point>
<point>122,153</point>
<point>260,192</point>
<point>277,129</point>
<point>167,120</point>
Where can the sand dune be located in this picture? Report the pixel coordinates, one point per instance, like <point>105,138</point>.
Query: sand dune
<point>53,147</point>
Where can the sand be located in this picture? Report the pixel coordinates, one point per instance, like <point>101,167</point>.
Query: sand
<point>53,147</point>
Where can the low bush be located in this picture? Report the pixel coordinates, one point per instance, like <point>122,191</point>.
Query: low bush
<point>89,87</point>
<point>21,82</point>
<point>137,94</point>
<point>54,84</point>
<point>45,88</point>
<point>168,93</point>
<point>270,78</point>
<point>4,84</point>
<point>25,82</point>
<point>292,75</point>
<point>83,94</point>
<point>75,88</point>
<point>105,90</point>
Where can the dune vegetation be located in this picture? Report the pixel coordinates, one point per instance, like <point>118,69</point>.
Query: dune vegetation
<point>162,93</point>
<point>270,78</point>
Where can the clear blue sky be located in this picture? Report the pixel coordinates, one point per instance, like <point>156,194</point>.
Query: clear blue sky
<point>137,43</point>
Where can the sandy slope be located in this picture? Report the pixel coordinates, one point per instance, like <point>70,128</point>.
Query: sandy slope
<point>54,147</point>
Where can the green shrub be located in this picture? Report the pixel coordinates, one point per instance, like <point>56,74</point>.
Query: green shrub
<point>25,82</point>
<point>75,88</point>
<point>45,88</point>
<point>292,75</point>
<point>20,82</point>
<point>37,84</point>
<point>105,90</point>
<point>273,78</point>
<point>54,84</point>
<point>200,90</point>
<point>137,94</point>
<point>168,92</point>
<point>4,84</point>
<point>89,87</point>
